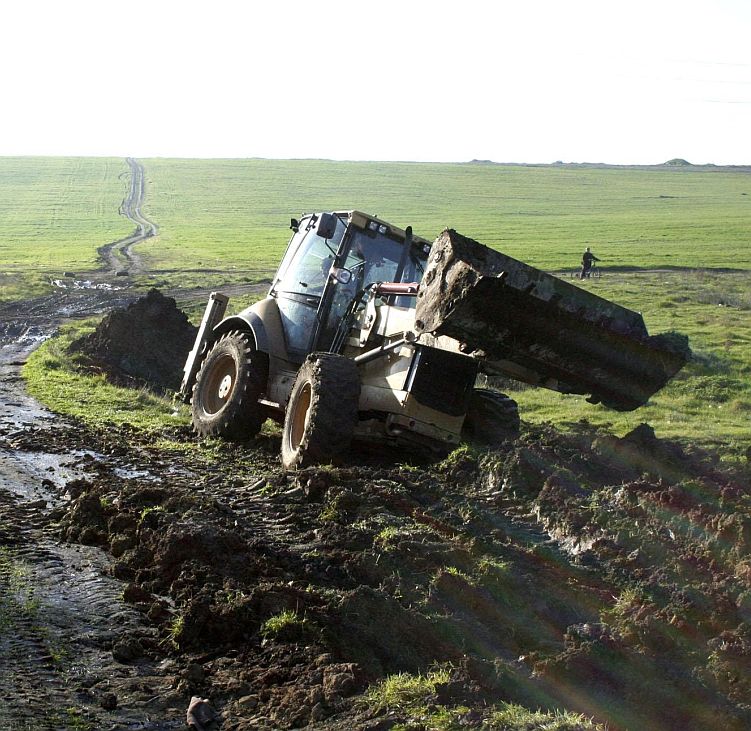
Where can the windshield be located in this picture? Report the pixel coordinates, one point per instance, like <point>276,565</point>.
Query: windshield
<point>300,283</point>
<point>371,258</point>
<point>306,265</point>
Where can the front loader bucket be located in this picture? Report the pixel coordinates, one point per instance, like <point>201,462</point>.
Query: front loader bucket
<point>533,327</point>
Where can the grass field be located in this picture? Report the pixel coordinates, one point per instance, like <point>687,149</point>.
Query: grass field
<point>225,221</point>
<point>234,213</point>
<point>709,401</point>
<point>231,216</point>
<point>54,215</point>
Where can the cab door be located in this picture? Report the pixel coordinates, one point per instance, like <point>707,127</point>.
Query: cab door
<point>301,281</point>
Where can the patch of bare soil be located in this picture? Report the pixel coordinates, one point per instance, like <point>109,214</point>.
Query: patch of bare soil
<point>610,576</point>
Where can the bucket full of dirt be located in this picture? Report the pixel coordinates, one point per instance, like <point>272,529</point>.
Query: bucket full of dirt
<point>145,342</point>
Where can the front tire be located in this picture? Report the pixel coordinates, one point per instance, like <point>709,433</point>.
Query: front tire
<point>492,418</point>
<point>228,385</point>
<point>322,411</point>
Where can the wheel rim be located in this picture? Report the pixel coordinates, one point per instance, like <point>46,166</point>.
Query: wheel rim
<point>220,381</point>
<point>300,416</point>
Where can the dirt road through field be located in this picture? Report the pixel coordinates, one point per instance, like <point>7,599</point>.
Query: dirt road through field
<point>119,255</point>
<point>61,614</point>
<point>74,653</point>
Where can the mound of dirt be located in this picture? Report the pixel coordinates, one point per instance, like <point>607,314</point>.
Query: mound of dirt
<point>147,341</point>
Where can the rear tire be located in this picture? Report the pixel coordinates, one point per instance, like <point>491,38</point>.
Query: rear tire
<point>322,411</point>
<point>492,418</point>
<point>225,397</point>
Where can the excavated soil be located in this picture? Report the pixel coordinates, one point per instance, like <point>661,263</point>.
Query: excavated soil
<point>571,570</point>
<point>147,341</point>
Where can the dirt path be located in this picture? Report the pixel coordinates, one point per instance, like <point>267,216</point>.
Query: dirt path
<point>61,613</point>
<point>65,631</point>
<point>119,255</point>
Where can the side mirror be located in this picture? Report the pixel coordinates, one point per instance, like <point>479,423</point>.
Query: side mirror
<point>326,225</point>
<point>343,276</point>
<point>294,224</point>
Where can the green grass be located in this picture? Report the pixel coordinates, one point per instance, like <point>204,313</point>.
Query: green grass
<point>231,216</point>
<point>284,624</point>
<point>54,215</point>
<point>709,401</point>
<point>225,214</point>
<point>413,696</point>
<point>510,717</point>
<point>52,376</point>
<point>405,691</point>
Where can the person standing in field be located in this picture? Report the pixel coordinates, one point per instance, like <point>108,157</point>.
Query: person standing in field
<point>588,258</point>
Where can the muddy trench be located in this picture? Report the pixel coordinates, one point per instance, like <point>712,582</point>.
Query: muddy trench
<point>61,611</point>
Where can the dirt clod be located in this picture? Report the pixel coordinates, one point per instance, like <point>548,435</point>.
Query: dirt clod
<point>108,701</point>
<point>127,649</point>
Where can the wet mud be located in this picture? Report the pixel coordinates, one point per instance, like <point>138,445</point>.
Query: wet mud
<point>61,612</point>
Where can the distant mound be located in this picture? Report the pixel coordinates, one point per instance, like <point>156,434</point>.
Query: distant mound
<point>146,342</point>
<point>678,162</point>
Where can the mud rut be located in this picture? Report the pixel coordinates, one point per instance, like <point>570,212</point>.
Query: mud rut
<point>119,255</point>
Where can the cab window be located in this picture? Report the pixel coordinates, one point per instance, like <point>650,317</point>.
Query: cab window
<point>306,266</point>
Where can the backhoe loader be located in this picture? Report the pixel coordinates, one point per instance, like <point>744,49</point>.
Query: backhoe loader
<point>369,332</point>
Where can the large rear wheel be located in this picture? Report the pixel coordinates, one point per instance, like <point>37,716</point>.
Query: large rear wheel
<point>322,411</point>
<point>492,417</point>
<point>225,398</point>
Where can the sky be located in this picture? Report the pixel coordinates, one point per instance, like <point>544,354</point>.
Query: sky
<point>529,81</point>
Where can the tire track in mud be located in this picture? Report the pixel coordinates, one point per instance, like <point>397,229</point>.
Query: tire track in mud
<point>42,602</point>
<point>118,255</point>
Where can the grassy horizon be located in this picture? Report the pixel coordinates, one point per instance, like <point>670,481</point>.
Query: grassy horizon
<point>230,216</point>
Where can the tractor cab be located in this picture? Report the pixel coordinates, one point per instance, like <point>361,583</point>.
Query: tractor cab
<point>328,269</point>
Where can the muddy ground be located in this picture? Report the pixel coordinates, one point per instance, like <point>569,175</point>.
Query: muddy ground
<point>564,570</point>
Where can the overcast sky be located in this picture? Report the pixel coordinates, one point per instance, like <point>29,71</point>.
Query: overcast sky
<point>641,81</point>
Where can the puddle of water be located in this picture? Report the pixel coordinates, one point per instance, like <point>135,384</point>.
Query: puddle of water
<point>21,334</point>
<point>132,474</point>
<point>83,284</point>
<point>34,475</point>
